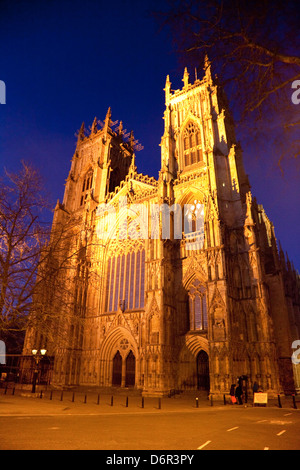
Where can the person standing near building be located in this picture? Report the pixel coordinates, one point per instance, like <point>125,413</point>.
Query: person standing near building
<point>232,394</point>
<point>239,394</point>
<point>255,387</point>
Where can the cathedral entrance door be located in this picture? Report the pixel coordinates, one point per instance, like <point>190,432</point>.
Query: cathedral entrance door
<point>117,370</point>
<point>130,370</point>
<point>202,371</point>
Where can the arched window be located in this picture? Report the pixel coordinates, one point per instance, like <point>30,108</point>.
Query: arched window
<point>86,186</point>
<point>194,216</point>
<point>197,306</point>
<point>192,149</point>
<point>125,281</point>
<point>193,222</point>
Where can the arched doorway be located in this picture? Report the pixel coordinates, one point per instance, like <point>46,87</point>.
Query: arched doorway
<point>130,370</point>
<point>202,371</point>
<point>117,370</point>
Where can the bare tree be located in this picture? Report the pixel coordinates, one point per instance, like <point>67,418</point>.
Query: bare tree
<point>45,269</point>
<point>22,236</point>
<point>254,49</point>
<point>63,278</point>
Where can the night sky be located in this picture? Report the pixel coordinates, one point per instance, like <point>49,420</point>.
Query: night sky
<point>64,62</point>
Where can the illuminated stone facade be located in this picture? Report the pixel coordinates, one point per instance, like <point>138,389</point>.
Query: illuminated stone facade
<point>154,313</point>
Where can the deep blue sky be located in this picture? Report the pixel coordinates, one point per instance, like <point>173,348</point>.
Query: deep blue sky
<point>65,62</point>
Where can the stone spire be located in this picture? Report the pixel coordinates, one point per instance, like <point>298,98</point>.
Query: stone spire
<point>185,78</point>
<point>80,133</point>
<point>94,126</point>
<point>207,68</point>
<point>167,89</point>
<point>107,119</point>
<point>132,169</point>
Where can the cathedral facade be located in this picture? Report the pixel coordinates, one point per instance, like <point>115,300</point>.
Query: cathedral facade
<point>173,283</point>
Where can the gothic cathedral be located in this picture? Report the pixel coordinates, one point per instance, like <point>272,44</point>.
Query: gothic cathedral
<point>156,311</point>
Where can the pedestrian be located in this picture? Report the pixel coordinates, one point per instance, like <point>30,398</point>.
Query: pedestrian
<point>232,394</point>
<point>255,387</point>
<point>238,394</point>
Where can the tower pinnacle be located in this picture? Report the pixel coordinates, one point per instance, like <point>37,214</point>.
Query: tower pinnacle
<point>94,126</point>
<point>80,133</point>
<point>167,89</point>
<point>207,67</point>
<point>185,78</point>
<point>107,118</point>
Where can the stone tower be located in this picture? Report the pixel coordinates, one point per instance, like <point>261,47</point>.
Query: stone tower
<point>156,299</point>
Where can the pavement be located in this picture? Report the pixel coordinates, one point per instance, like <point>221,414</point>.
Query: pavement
<point>17,401</point>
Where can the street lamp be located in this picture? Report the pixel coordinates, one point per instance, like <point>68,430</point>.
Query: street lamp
<point>37,355</point>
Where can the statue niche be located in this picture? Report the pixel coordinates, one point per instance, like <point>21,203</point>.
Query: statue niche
<point>219,332</point>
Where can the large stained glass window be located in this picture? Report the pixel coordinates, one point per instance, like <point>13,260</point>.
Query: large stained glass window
<point>126,281</point>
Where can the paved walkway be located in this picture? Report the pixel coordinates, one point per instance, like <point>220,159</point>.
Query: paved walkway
<point>86,401</point>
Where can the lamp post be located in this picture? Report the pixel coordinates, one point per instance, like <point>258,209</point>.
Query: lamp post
<point>37,355</point>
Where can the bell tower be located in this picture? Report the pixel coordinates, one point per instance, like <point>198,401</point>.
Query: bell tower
<point>100,162</point>
<point>199,134</point>
<point>223,308</point>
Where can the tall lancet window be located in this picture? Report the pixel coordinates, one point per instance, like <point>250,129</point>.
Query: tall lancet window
<point>125,284</point>
<point>197,306</point>
<point>86,186</point>
<point>192,147</point>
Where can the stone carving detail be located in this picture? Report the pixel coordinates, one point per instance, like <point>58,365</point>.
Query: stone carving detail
<point>218,316</point>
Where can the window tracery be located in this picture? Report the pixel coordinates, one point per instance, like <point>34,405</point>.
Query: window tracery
<point>86,186</point>
<point>192,149</point>
<point>126,281</point>
<point>194,213</point>
<point>197,306</point>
